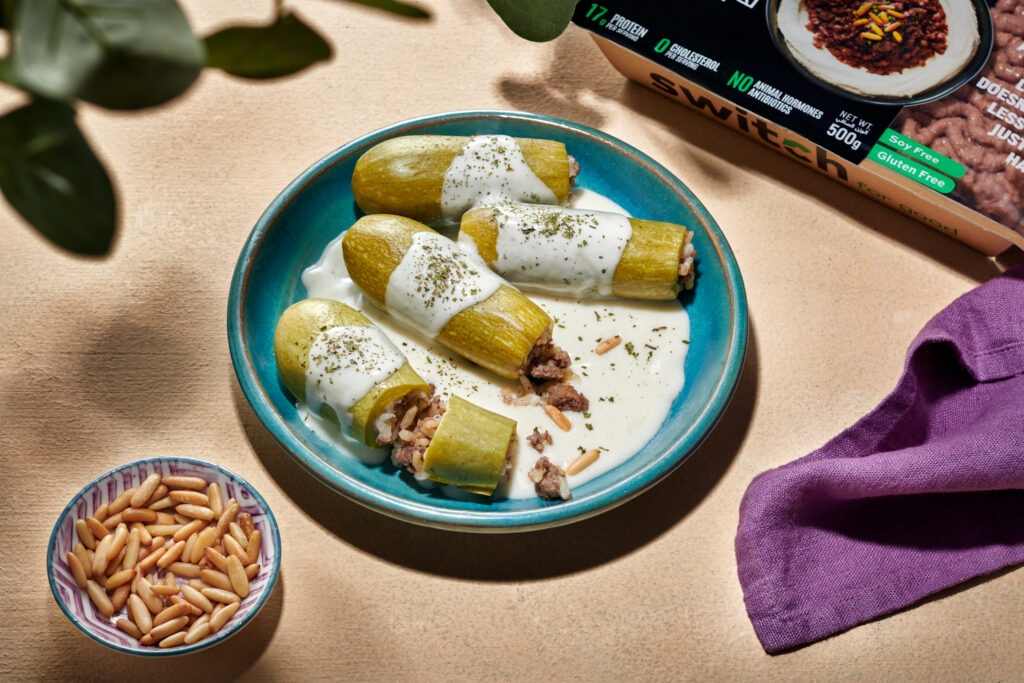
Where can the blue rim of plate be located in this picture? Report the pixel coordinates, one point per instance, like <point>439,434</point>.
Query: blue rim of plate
<point>206,642</point>
<point>497,521</point>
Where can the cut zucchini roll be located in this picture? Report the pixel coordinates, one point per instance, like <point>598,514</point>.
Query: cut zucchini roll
<point>441,291</point>
<point>582,253</point>
<point>440,177</point>
<point>465,445</point>
<point>336,361</point>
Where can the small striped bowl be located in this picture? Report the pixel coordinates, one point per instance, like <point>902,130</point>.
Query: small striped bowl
<point>76,604</point>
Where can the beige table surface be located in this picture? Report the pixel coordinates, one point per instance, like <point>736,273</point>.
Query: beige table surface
<point>103,362</point>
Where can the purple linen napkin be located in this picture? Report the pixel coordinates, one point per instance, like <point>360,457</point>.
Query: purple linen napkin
<point>920,494</point>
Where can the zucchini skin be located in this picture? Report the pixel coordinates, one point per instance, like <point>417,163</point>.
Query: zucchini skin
<point>648,269</point>
<point>297,329</point>
<point>470,447</point>
<point>405,175</point>
<point>497,333</point>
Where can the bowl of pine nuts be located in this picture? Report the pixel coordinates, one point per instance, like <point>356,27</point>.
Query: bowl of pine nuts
<point>164,556</point>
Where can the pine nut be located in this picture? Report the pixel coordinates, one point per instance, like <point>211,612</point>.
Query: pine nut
<point>181,519</point>
<point>230,512</point>
<point>237,534</point>
<point>140,613</point>
<point>159,494</point>
<point>178,600</point>
<point>120,536</point>
<point>204,540</point>
<point>212,577</point>
<point>170,579</point>
<point>189,571</point>
<point>83,558</point>
<point>233,547</point>
<point>190,497</point>
<point>162,529</point>
<point>152,559</point>
<point>221,617</point>
<point>145,591</point>
<point>115,563</point>
<point>197,598</point>
<point>158,542</point>
<point>112,521</point>
<point>245,521</point>
<point>171,555</point>
<point>168,627</point>
<point>145,538</point>
<point>216,559</point>
<point>251,570</point>
<point>199,584</point>
<point>252,551</point>
<point>131,555</point>
<point>236,572</point>
<point>138,515</point>
<point>146,489</point>
<point>558,417</point>
<point>607,345</point>
<point>101,512</point>
<point>168,518</point>
<point>161,504</point>
<point>85,535</point>
<point>194,483</point>
<point>129,627</point>
<point>100,559</point>
<point>97,529</point>
<point>99,598</point>
<point>121,502</point>
<point>120,578</point>
<point>77,570</point>
<point>174,640</point>
<point>198,630</point>
<point>583,461</point>
<point>192,527</point>
<point>220,595</point>
<point>195,511</point>
<point>216,502</point>
<point>163,590</point>
<point>176,610</point>
<point>120,596</point>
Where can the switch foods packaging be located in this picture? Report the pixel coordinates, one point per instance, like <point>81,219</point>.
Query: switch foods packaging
<point>916,103</point>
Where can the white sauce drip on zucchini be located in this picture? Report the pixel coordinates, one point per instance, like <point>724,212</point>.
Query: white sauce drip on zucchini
<point>573,252</point>
<point>435,281</point>
<point>345,363</point>
<point>490,169</point>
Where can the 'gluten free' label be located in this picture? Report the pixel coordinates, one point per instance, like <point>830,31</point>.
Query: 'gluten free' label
<point>911,169</point>
<point>915,150</point>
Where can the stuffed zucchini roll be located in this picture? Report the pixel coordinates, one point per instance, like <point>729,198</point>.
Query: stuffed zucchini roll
<point>444,293</point>
<point>336,361</point>
<point>440,177</point>
<point>582,253</point>
<point>464,445</point>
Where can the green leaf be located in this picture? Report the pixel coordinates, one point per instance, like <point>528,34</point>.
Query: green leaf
<point>50,175</point>
<point>121,54</point>
<point>395,7</point>
<point>537,20</point>
<point>282,48</point>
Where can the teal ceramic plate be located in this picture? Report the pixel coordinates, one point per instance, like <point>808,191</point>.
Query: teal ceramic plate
<point>318,205</point>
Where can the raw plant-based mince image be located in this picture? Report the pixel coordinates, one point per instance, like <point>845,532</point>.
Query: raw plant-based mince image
<point>981,125</point>
<point>884,50</point>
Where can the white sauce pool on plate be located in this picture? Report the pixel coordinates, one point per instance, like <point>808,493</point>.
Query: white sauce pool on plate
<point>491,169</point>
<point>345,362</point>
<point>573,252</point>
<point>638,380</point>
<point>436,280</point>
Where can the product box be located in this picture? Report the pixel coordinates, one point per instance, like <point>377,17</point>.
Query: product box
<point>916,103</point>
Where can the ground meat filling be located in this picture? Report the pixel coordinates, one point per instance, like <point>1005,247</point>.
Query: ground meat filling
<point>574,170</point>
<point>400,415</point>
<point>549,480</point>
<point>411,442</point>
<point>880,37</point>
<point>538,440</point>
<point>546,361</point>
<point>565,397</point>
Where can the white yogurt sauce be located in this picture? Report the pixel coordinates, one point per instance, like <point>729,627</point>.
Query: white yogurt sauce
<point>572,252</point>
<point>630,387</point>
<point>435,281</point>
<point>345,362</point>
<point>491,169</point>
